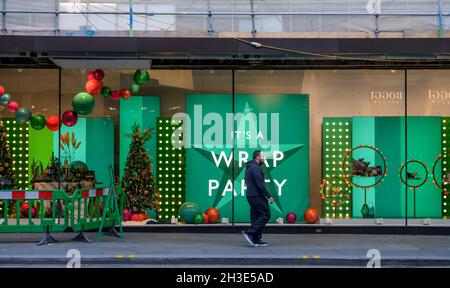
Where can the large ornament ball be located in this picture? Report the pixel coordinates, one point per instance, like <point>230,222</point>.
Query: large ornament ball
<point>69,118</point>
<point>141,77</point>
<point>24,210</point>
<point>99,74</point>
<point>13,106</point>
<point>134,88</point>
<point>205,218</point>
<point>125,93</point>
<point>37,122</point>
<point>106,91</point>
<point>83,103</point>
<point>5,98</point>
<point>115,95</point>
<point>188,211</point>
<point>53,122</point>
<point>198,219</point>
<point>78,167</point>
<point>137,217</point>
<point>93,86</point>
<point>127,215</point>
<point>90,75</point>
<point>311,216</point>
<point>213,214</point>
<point>2,89</point>
<point>291,217</point>
<point>23,115</point>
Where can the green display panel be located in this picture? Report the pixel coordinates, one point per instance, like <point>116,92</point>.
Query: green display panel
<point>142,110</point>
<point>276,124</point>
<point>40,147</point>
<point>18,139</point>
<point>336,141</point>
<point>171,180</point>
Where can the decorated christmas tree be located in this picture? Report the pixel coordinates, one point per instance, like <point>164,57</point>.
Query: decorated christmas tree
<point>138,182</point>
<point>6,164</point>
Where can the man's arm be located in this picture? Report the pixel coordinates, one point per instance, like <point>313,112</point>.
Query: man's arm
<point>260,183</point>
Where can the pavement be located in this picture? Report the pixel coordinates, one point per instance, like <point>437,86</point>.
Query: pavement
<point>226,250</point>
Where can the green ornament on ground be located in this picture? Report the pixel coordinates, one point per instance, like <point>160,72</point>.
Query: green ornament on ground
<point>23,115</point>
<point>198,219</point>
<point>106,91</point>
<point>134,88</point>
<point>188,211</point>
<point>141,77</point>
<point>83,103</point>
<point>365,211</point>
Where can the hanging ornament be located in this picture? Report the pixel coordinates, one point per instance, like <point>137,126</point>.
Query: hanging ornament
<point>99,74</point>
<point>23,115</point>
<point>69,118</point>
<point>90,75</point>
<point>2,89</point>
<point>13,106</point>
<point>93,86</point>
<point>106,91</point>
<point>83,103</point>
<point>134,88</point>
<point>5,98</point>
<point>115,95</point>
<point>53,122</point>
<point>37,122</point>
<point>141,77</point>
<point>125,93</point>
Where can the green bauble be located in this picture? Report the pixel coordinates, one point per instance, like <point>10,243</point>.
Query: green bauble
<point>198,219</point>
<point>23,115</point>
<point>141,77</point>
<point>83,103</point>
<point>37,122</point>
<point>365,211</point>
<point>188,211</point>
<point>106,91</point>
<point>78,167</point>
<point>134,88</point>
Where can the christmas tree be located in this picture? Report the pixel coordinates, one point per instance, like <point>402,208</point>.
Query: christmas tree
<point>6,165</point>
<point>138,182</point>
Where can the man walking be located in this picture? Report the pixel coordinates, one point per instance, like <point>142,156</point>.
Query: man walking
<point>257,196</point>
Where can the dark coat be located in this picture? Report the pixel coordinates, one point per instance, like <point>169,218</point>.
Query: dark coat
<point>254,179</point>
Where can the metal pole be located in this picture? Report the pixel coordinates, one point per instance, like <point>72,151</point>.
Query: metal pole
<point>377,26</point>
<point>441,28</point>
<point>406,144</point>
<point>4,17</point>
<point>131,18</point>
<point>56,18</point>
<point>210,29</point>
<point>252,11</point>
<point>233,151</point>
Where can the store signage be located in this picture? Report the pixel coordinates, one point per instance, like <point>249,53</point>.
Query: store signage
<point>438,96</point>
<point>388,96</point>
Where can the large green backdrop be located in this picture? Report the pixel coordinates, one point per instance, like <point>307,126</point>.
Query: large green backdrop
<point>210,175</point>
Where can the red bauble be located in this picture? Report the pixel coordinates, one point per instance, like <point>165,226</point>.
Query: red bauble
<point>125,93</point>
<point>99,74</point>
<point>213,214</point>
<point>115,95</point>
<point>137,217</point>
<point>52,123</point>
<point>90,75</point>
<point>93,86</point>
<point>311,216</point>
<point>205,218</point>
<point>291,217</point>
<point>13,106</point>
<point>2,89</point>
<point>69,118</point>
<point>127,215</point>
<point>24,210</point>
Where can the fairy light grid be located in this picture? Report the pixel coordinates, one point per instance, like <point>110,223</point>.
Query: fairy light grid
<point>17,136</point>
<point>445,165</point>
<point>336,141</point>
<point>171,168</point>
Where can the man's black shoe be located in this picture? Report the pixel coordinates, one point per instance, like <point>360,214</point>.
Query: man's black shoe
<point>249,238</point>
<point>261,243</point>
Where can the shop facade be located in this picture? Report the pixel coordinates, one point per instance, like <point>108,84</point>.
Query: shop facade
<point>361,139</point>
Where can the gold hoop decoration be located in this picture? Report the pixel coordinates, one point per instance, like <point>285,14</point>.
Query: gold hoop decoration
<point>383,174</point>
<point>402,180</point>
<point>433,172</point>
<point>336,191</point>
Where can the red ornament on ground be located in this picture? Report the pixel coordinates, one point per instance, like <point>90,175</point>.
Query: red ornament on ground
<point>115,95</point>
<point>69,118</point>
<point>24,210</point>
<point>93,86</point>
<point>291,217</point>
<point>125,93</point>
<point>90,75</point>
<point>99,74</point>
<point>311,216</point>
<point>13,106</point>
<point>137,217</point>
<point>205,218</point>
<point>2,89</point>
<point>52,123</point>
<point>213,214</point>
<point>127,215</point>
